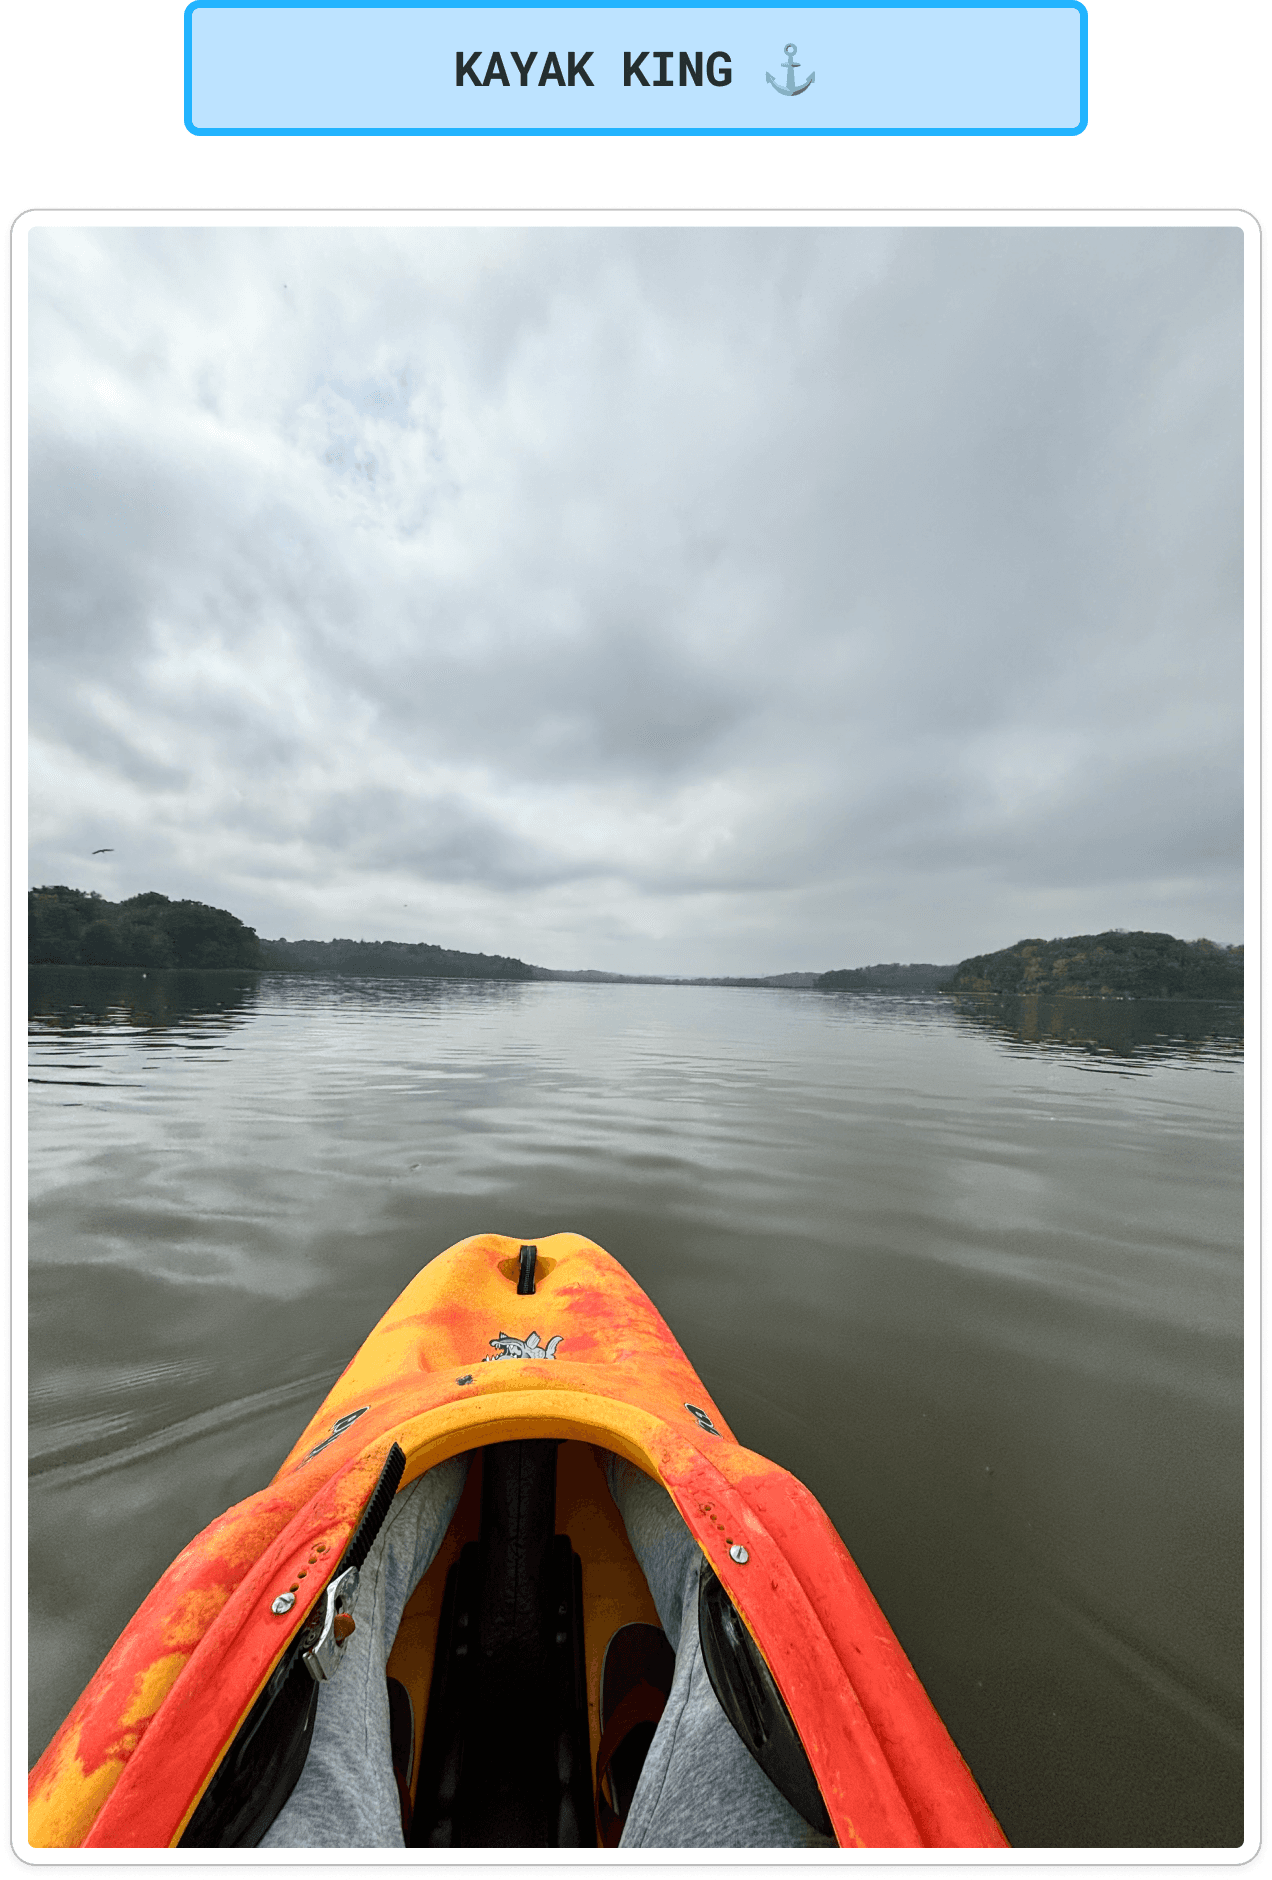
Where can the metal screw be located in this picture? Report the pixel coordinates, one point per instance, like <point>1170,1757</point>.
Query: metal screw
<point>283,1603</point>
<point>738,1552</point>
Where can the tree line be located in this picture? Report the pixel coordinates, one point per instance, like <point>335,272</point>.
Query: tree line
<point>394,959</point>
<point>890,976</point>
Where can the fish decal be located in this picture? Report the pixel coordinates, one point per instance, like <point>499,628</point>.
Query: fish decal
<point>506,1346</point>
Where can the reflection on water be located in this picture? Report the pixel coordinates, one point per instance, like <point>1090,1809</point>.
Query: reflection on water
<point>67,997</point>
<point>988,1306</point>
<point>1117,1033</point>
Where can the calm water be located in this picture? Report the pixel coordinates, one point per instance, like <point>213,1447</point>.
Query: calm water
<point>973,1273</point>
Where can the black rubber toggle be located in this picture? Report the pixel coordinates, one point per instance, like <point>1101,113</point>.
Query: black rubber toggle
<point>525,1277</point>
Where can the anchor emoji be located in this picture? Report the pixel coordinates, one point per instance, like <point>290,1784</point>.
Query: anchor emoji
<point>790,89</point>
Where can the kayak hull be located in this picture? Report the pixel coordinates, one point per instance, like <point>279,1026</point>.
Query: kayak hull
<point>462,1360</point>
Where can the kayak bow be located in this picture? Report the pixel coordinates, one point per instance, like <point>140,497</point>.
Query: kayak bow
<point>490,1345</point>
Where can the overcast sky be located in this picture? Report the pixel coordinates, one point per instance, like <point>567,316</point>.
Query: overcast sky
<point>674,601</point>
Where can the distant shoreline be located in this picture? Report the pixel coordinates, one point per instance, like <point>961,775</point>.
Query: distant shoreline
<point>808,982</point>
<point>69,927</point>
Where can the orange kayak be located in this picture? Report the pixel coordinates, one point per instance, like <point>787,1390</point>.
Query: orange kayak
<point>471,1356</point>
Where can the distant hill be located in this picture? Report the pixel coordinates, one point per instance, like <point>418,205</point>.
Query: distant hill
<point>393,959</point>
<point>67,927</point>
<point>892,977</point>
<point>1108,965</point>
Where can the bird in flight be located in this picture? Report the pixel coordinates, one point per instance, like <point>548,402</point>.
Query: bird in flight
<point>103,851</point>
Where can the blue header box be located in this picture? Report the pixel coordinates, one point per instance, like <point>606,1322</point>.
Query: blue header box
<point>268,70</point>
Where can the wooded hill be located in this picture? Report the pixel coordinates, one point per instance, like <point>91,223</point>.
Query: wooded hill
<point>67,927</point>
<point>1108,965</point>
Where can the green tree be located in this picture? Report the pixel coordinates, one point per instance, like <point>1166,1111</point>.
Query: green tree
<point>68,927</point>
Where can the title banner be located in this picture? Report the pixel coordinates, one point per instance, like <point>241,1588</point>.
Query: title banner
<point>866,71</point>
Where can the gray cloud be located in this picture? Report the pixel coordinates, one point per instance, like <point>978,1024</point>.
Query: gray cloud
<point>695,600</point>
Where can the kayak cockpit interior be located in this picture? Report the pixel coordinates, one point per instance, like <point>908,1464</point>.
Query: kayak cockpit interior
<point>526,1678</point>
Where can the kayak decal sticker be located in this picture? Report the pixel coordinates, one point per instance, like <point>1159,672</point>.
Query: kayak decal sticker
<point>338,1428</point>
<point>506,1346</point>
<point>702,1419</point>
